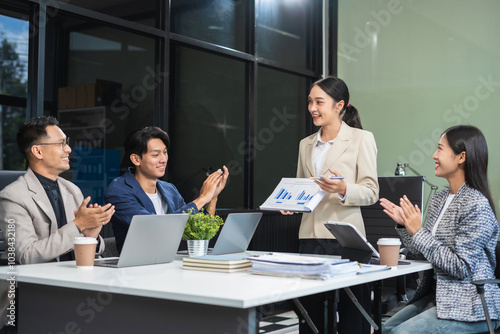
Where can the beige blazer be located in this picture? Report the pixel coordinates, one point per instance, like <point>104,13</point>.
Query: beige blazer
<point>354,155</point>
<point>37,236</point>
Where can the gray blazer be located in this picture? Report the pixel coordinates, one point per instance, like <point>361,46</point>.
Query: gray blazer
<point>37,236</point>
<point>463,250</point>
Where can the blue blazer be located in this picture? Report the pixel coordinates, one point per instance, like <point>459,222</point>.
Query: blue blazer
<point>129,199</point>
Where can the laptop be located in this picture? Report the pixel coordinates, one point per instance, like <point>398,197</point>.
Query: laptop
<point>350,237</point>
<point>151,239</point>
<point>236,233</point>
<point>354,244</point>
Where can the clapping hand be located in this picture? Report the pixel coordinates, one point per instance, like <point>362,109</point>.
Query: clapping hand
<point>407,215</point>
<point>221,182</point>
<point>90,219</point>
<point>411,215</point>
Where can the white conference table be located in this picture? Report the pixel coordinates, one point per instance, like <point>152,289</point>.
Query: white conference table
<point>59,298</point>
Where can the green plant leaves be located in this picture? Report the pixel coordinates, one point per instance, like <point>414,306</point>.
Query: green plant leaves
<point>201,226</point>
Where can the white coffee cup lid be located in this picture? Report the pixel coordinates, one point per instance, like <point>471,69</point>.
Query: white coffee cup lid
<point>85,240</point>
<point>389,241</point>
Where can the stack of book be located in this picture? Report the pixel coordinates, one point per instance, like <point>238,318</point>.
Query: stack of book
<point>221,263</point>
<point>302,266</point>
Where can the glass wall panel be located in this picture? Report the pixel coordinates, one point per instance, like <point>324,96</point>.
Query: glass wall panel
<point>221,22</point>
<point>207,123</point>
<point>12,119</point>
<point>140,11</point>
<point>14,36</point>
<point>286,30</point>
<point>106,89</point>
<point>281,116</point>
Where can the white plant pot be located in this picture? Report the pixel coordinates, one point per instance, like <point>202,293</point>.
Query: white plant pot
<point>197,247</point>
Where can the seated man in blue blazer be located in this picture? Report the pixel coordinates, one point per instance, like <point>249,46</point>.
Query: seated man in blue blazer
<point>139,192</point>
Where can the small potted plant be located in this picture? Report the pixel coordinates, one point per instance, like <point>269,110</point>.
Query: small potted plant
<point>200,228</point>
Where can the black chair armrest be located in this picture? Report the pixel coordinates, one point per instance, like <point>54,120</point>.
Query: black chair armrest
<point>480,284</point>
<point>486,281</point>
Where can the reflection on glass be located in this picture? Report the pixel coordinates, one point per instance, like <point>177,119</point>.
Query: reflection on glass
<point>12,119</point>
<point>285,31</point>
<point>280,126</point>
<point>109,90</point>
<point>207,124</point>
<point>14,36</point>
<point>140,11</point>
<point>221,22</point>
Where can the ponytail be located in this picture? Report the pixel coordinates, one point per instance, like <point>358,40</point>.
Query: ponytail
<point>351,116</point>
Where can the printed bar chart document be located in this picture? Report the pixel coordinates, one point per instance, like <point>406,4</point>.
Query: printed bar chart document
<point>294,194</point>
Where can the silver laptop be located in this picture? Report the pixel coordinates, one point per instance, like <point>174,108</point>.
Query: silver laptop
<point>236,233</point>
<point>151,239</point>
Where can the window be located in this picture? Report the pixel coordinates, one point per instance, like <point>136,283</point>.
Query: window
<point>145,12</point>
<point>107,90</point>
<point>227,79</point>
<point>13,86</point>
<point>208,124</point>
<point>266,92</point>
<point>286,31</point>
<point>280,125</point>
<point>221,22</point>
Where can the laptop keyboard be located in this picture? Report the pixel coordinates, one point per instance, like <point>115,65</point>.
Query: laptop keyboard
<point>106,262</point>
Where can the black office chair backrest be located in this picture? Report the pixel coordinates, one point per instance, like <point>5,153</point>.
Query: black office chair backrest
<point>377,223</point>
<point>6,178</point>
<point>9,176</point>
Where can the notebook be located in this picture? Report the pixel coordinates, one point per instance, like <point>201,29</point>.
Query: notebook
<point>151,239</point>
<point>236,233</point>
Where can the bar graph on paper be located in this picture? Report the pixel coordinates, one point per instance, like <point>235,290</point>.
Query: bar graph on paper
<point>286,194</point>
<point>294,194</point>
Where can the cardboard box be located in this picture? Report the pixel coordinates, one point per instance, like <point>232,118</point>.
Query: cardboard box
<point>67,98</point>
<point>85,96</point>
<point>102,93</point>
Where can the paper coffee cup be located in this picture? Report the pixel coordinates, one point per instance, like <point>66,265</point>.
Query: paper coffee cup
<point>85,252</point>
<point>389,251</point>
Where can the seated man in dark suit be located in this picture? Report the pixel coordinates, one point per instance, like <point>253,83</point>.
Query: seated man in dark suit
<point>48,212</point>
<point>139,192</point>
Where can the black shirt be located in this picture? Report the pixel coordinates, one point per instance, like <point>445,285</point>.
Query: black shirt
<point>54,194</point>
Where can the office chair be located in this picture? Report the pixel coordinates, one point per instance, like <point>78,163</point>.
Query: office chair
<point>9,176</point>
<point>480,289</point>
<point>6,178</point>
<point>379,225</point>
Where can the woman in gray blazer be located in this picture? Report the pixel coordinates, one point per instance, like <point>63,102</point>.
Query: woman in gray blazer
<point>459,240</point>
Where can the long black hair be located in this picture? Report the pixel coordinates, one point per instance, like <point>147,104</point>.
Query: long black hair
<point>337,89</point>
<point>469,139</point>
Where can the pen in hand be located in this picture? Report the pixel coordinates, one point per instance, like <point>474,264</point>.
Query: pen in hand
<point>328,177</point>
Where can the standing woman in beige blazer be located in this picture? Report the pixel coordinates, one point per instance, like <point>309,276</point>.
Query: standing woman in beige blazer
<point>337,149</point>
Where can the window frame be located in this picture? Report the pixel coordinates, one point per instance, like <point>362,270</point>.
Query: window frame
<point>40,10</point>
